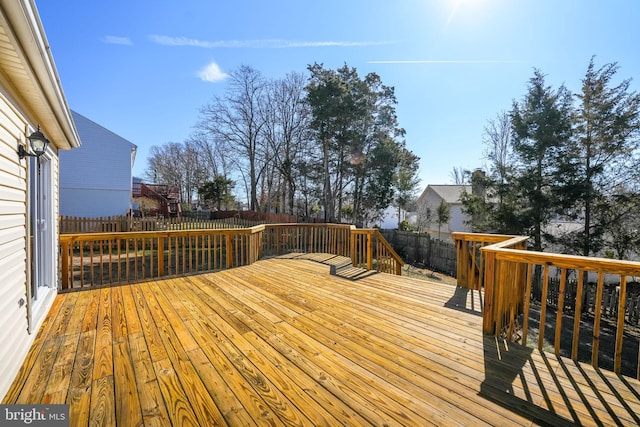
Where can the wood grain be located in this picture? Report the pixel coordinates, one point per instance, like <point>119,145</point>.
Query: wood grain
<point>284,342</point>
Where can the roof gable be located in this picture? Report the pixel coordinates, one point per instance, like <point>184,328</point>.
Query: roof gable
<point>91,132</point>
<point>450,194</point>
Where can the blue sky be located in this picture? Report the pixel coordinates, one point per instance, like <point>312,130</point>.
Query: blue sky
<point>143,68</point>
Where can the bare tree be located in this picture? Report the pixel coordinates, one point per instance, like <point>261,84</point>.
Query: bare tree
<point>236,120</point>
<point>460,175</point>
<point>164,164</point>
<point>213,152</point>
<point>286,121</point>
<point>497,140</point>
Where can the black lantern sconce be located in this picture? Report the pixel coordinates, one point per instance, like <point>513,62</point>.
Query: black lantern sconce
<point>38,144</point>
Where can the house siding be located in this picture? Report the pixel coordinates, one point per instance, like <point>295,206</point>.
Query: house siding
<point>14,327</point>
<point>457,217</point>
<point>30,96</point>
<point>92,204</point>
<point>96,179</point>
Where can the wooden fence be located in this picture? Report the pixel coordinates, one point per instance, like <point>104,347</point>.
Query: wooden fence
<point>509,274</point>
<point>93,259</point>
<point>422,249</point>
<point>610,299</point>
<point>257,217</point>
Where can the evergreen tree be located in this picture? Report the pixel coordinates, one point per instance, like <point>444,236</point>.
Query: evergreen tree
<point>605,161</point>
<point>217,191</point>
<point>355,125</point>
<point>443,215</point>
<point>541,132</point>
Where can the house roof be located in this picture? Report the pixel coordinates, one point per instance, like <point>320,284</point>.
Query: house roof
<point>29,74</point>
<point>88,129</point>
<point>449,193</point>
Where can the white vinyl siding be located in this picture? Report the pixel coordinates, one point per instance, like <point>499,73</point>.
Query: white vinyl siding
<point>14,319</point>
<point>30,96</point>
<point>457,218</point>
<point>14,328</point>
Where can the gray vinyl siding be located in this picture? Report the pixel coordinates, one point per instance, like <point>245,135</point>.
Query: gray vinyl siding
<point>90,203</point>
<point>95,180</point>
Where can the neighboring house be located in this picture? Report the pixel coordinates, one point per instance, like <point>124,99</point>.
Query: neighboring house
<point>30,96</point>
<point>156,199</point>
<point>95,180</point>
<point>390,219</point>
<point>427,210</point>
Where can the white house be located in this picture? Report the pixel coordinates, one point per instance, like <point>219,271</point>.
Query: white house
<point>96,180</point>
<point>427,208</point>
<point>30,96</point>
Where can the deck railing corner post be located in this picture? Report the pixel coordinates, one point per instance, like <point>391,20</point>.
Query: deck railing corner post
<point>488,320</point>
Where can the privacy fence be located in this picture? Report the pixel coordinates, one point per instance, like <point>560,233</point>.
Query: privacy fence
<point>422,248</point>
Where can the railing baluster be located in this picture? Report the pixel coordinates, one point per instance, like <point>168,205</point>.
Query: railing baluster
<point>147,254</point>
<point>622,300</point>
<point>81,265</point>
<point>527,303</point>
<point>101,263</point>
<point>543,307</point>
<point>577,315</point>
<point>563,281</point>
<point>596,320</point>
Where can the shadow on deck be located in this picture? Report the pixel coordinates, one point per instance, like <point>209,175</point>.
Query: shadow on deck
<point>288,341</point>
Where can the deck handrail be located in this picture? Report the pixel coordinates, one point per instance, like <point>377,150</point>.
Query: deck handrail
<point>509,272</point>
<point>91,259</point>
<point>387,259</point>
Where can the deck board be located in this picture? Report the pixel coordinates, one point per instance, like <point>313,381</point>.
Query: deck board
<point>302,340</point>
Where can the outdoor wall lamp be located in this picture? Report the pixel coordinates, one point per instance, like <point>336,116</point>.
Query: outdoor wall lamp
<point>38,143</point>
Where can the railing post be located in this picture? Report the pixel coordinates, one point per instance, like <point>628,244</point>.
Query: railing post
<point>352,246</point>
<point>369,251</point>
<point>160,256</point>
<point>463,262</point>
<point>488,323</point>
<point>65,264</point>
<point>227,239</point>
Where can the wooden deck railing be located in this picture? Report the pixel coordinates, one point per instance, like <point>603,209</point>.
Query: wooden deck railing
<point>93,259</point>
<point>113,224</point>
<point>308,238</point>
<point>105,258</point>
<point>510,274</point>
<point>370,249</point>
<point>469,259</point>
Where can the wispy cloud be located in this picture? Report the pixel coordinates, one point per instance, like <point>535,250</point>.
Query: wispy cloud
<point>256,44</point>
<point>117,40</point>
<point>446,61</point>
<point>212,73</point>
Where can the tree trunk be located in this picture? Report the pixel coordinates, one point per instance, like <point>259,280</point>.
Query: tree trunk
<point>329,205</point>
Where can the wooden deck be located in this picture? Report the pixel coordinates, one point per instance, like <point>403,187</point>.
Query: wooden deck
<point>285,342</point>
